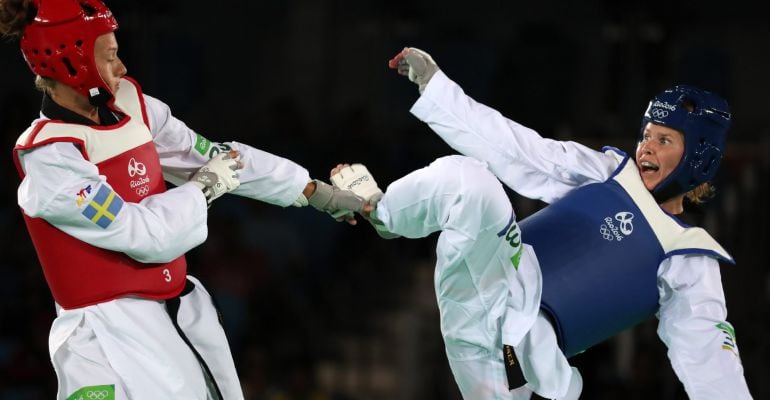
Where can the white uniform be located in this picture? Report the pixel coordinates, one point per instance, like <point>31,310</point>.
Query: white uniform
<point>131,342</point>
<point>485,298</point>
<point>692,315</point>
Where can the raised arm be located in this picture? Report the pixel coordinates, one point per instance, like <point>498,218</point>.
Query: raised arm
<point>529,164</point>
<point>264,176</point>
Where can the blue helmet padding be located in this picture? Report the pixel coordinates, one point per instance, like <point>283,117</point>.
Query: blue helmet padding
<point>705,133</point>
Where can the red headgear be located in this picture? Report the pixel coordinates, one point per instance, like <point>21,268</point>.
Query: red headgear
<point>59,43</point>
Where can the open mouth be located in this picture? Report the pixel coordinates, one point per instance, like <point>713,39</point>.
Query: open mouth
<point>647,166</point>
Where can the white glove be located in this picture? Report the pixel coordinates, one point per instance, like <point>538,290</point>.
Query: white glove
<point>218,176</point>
<point>415,64</point>
<point>335,201</point>
<point>360,181</point>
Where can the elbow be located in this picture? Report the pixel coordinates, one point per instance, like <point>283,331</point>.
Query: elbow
<point>157,257</point>
<point>167,247</point>
<point>154,255</point>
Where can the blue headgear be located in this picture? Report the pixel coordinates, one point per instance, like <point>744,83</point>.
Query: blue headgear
<point>705,132</point>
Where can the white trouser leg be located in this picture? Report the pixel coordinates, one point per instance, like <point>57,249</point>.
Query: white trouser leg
<point>80,363</point>
<point>544,366</point>
<point>199,320</point>
<point>453,193</point>
<point>131,343</point>
<point>474,273</point>
<point>133,347</point>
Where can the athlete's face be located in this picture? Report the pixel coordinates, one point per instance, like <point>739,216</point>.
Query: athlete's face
<point>658,153</point>
<point>110,68</point>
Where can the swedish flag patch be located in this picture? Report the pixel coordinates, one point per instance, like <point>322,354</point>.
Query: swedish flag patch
<point>104,207</point>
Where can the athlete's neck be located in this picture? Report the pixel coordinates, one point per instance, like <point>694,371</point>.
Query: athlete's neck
<point>68,98</point>
<point>673,205</point>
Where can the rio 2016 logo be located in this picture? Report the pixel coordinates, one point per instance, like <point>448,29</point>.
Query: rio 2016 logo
<point>140,184</point>
<point>610,230</point>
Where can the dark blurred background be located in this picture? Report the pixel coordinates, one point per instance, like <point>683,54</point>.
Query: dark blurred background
<point>323,311</point>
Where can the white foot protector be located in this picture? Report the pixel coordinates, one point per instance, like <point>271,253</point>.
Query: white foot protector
<point>360,181</point>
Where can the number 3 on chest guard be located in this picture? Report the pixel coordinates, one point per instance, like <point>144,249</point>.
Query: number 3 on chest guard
<point>167,275</point>
<point>512,235</point>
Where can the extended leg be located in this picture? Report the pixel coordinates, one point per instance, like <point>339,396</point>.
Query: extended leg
<point>481,278</point>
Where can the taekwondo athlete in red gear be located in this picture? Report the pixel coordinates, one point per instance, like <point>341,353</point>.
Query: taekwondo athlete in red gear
<point>607,253</point>
<point>110,236</point>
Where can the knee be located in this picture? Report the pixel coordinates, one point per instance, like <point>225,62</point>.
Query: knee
<point>477,188</point>
<point>468,176</point>
<point>450,192</point>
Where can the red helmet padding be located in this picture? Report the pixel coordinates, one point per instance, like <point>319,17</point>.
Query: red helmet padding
<point>59,43</point>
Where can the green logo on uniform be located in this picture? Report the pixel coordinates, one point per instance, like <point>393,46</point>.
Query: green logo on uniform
<point>729,341</point>
<point>100,392</point>
<point>516,259</point>
<point>202,144</point>
<point>513,237</point>
<point>208,148</point>
<point>727,328</point>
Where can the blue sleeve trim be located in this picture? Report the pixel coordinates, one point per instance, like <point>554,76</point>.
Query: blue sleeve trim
<point>704,252</point>
<point>676,219</point>
<point>622,163</point>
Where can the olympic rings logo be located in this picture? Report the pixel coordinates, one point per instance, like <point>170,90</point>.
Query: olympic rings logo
<point>659,113</point>
<point>97,394</point>
<point>143,191</point>
<point>606,233</point>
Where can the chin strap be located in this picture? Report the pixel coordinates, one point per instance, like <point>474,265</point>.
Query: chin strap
<point>668,192</point>
<point>99,97</point>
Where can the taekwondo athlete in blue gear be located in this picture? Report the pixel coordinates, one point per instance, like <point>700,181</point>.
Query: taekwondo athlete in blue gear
<point>590,300</point>
<point>611,251</point>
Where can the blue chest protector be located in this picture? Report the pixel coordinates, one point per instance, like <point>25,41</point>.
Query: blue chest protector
<point>599,249</point>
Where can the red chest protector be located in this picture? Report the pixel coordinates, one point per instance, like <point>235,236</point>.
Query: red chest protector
<point>77,273</point>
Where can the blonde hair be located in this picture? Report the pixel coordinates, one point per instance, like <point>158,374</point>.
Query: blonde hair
<point>701,193</point>
<point>45,85</point>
